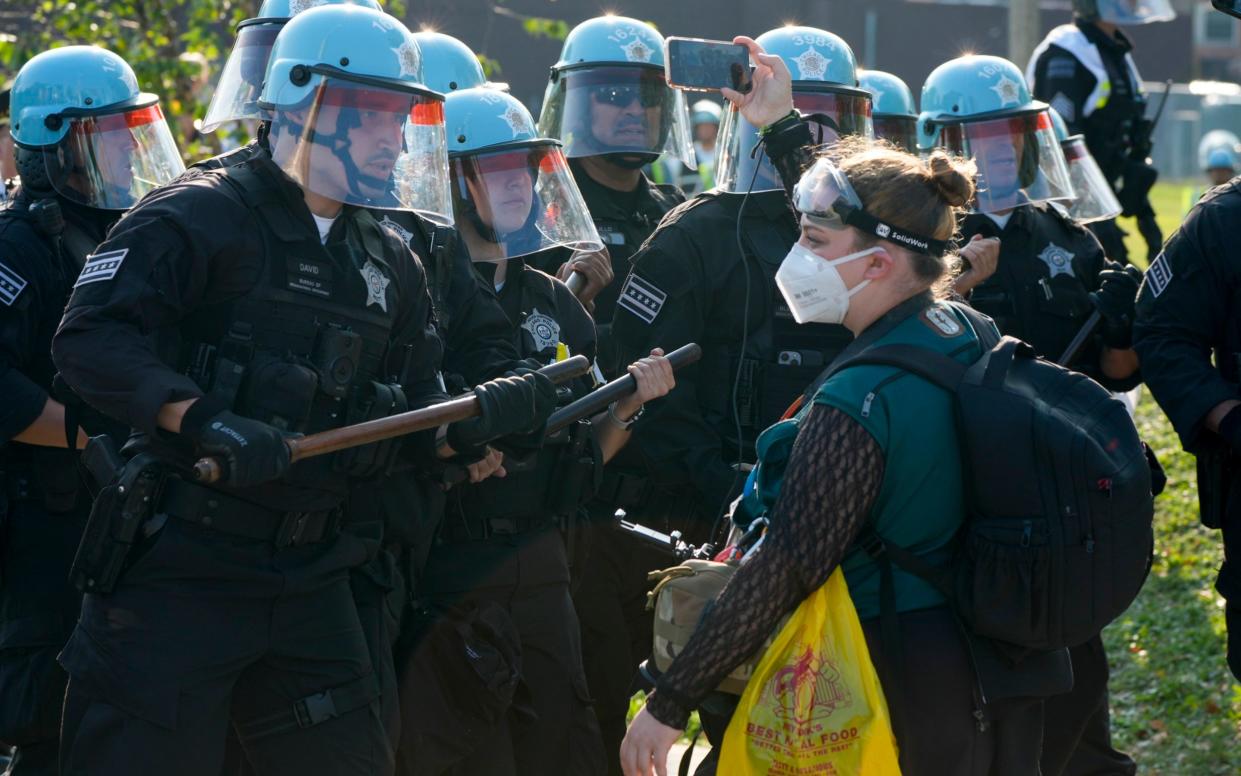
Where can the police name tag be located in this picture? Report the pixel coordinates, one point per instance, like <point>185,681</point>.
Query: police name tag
<point>642,298</point>
<point>101,266</point>
<point>11,285</point>
<point>309,277</point>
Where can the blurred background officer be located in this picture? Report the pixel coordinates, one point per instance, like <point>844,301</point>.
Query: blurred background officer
<point>1086,72</point>
<point>1217,156</point>
<point>229,309</point>
<point>707,275</point>
<point>89,144</point>
<point>503,541</point>
<point>1188,311</point>
<point>610,105</point>
<point>1040,275</point>
<point>896,114</point>
<point>704,117</point>
<point>1094,199</point>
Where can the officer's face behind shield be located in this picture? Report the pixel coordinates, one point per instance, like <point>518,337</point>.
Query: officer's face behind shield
<point>518,201</point>
<point>618,110</point>
<point>368,146</point>
<point>900,131</point>
<point>110,161</point>
<point>1019,160</point>
<point>831,115</point>
<point>237,93</point>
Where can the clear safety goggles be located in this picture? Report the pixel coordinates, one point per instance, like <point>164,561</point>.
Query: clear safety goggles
<point>1018,157</point>
<point>1095,199</point>
<point>825,196</point>
<point>110,161</point>
<point>617,109</point>
<point>519,200</point>
<point>236,94</point>
<point>368,145</point>
<point>829,114</point>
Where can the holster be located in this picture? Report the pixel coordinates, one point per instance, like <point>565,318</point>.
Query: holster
<point>120,509</point>
<point>1217,486</point>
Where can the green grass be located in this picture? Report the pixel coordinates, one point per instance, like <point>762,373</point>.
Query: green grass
<point>1171,202</point>
<point>1175,708</point>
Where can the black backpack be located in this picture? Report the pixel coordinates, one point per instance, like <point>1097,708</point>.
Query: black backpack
<point>1058,536</point>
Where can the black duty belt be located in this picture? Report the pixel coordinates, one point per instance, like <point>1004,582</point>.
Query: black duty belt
<point>458,528</point>
<point>226,514</point>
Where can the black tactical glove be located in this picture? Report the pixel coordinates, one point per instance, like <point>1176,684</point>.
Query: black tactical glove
<point>1115,301</point>
<point>253,452</point>
<point>513,404</point>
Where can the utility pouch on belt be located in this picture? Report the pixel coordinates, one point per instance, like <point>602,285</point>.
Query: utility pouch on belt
<point>1216,491</point>
<point>576,475</point>
<point>372,402</point>
<point>278,392</point>
<point>121,507</point>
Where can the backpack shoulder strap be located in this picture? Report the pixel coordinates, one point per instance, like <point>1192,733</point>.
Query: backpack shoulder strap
<point>939,369</point>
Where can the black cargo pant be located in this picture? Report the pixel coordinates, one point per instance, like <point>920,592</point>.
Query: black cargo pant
<point>616,627</point>
<point>205,627</point>
<point>551,727</point>
<point>38,608</point>
<point>1077,737</point>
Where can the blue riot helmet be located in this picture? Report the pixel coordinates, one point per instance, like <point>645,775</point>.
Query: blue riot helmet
<point>237,92</point>
<point>825,91</point>
<point>350,117</point>
<point>980,107</point>
<point>1127,12</point>
<point>896,116</point>
<point>447,63</point>
<point>1218,150</point>
<point>83,130</point>
<point>607,96</point>
<point>1095,200</point>
<point>512,191</point>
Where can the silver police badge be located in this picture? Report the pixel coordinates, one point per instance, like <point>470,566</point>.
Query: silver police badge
<point>1058,260</point>
<point>376,285</point>
<point>543,330</point>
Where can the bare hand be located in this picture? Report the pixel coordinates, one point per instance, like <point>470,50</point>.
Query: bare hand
<point>771,95</point>
<point>596,267</point>
<point>491,465</point>
<point>983,255</point>
<point>647,743</point>
<point>654,378</point>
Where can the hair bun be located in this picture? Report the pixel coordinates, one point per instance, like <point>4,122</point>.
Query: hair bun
<point>952,178</point>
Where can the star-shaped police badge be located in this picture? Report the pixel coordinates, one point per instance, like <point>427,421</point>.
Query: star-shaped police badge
<point>1009,91</point>
<point>1058,260</point>
<point>400,231</point>
<point>637,51</point>
<point>376,285</point>
<point>811,65</point>
<point>297,6</point>
<point>409,59</point>
<point>516,122</point>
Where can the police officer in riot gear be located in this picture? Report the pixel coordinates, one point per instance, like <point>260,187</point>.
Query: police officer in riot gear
<point>896,115</point>
<point>1217,156</point>
<point>1086,72</point>
<point>610,105</point>
<point>227,310</point>
<point>707,275</point>
<point>502,545</point>
<point>1040,275</point>
<point>89,144</point>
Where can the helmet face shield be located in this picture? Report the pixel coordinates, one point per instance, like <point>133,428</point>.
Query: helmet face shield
<point>831,114</point>
<point>1095,199</point>
<point>367,145</point>
<point>110,161</point>
<point>237,93</point>
<point>1019,160</point>
<point>519,200</point>
<point>1135,11</point>
<point>617,109</point>
<point>900,131</point>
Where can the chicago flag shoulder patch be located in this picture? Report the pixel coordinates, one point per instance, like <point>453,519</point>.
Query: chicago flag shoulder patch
<point>1159,275</point>
<point>11,285</point>
<point>642,298</point>
<point>101,266</point>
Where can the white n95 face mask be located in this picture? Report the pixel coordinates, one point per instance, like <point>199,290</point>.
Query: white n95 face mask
<point>812,286</point>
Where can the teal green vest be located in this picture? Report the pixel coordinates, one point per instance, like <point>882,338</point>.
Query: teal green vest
<point>921,502</point>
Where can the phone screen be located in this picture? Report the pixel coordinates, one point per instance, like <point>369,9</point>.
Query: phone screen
<point>707,65</point>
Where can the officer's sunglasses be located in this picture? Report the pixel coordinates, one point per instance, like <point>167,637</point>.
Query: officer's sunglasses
<point>647,95</point>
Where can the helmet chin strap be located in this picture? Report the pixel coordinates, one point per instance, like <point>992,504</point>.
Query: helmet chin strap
<point>338,144</point>
<point>630,160</point>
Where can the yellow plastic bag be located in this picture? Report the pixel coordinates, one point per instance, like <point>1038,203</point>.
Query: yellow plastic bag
<point>814,705</point>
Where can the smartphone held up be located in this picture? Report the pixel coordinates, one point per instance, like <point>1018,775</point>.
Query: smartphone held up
<point>698,65</point>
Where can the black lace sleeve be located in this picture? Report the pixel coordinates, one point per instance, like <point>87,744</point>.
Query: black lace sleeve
<point>834,475</point>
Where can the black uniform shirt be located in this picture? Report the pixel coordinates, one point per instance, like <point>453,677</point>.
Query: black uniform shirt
<point>1189,308</point>
<point>36,277</point>
<point>185,247</point>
